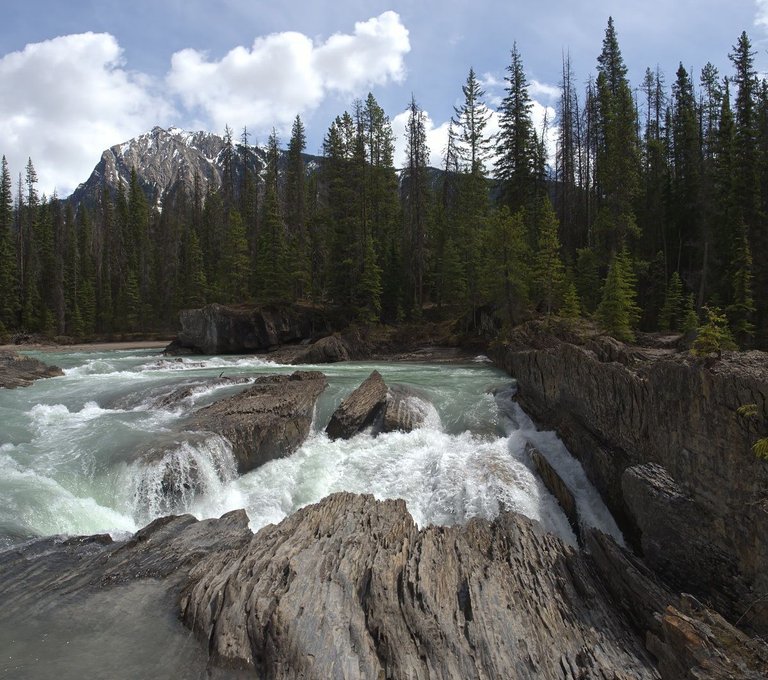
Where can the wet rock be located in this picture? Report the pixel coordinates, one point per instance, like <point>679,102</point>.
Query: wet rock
<point>556,486</point>
<point>17,370</point>
<point>618,407</point>
<point>328,350</point>
<point>268,420</point>
<point>359,409</point>
<point>350,587</point>
<point>220,329</point>
<point>405,409</point>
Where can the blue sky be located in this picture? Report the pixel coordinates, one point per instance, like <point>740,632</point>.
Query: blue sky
<point>77,77</point>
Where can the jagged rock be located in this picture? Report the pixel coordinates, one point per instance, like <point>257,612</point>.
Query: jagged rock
<point>17,370</point>
<point>327,350</point>
<point>351,588</point>
<point>268,420</point>
<point>359,409</point>
<point>680,413</point>
<point>688,639</point>
<point>557,487</point>
<point>405,409</point>
<point>174,395</point>
<point>219,329</point>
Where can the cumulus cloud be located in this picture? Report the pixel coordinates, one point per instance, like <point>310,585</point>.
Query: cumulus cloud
<point>761,14</point>
<point>283,74</point>
<point>65,100</point>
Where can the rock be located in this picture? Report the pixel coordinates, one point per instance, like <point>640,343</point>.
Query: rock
<point>351,588</point>
<point>17,370</point>
<point>268,420</point>
<point>219,329</point>
<point>326,350</point>
<point>378,406</point>
<point>359,409</point>
<point>556,486</point>
<point>94,607</point>
<point>405,409</point>
<point>688,639</point>
<point>176,349</point>
<point>618,408</point>
<point>174,395</point>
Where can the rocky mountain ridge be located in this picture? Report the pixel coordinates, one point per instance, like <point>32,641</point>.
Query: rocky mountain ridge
<point>165,159</point>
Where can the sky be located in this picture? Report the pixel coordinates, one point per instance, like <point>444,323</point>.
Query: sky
<point>78,77</point>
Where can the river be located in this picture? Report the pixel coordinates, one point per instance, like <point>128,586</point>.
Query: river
<point>70,449</point>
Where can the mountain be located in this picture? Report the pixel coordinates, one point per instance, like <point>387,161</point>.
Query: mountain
<point>163,159</point>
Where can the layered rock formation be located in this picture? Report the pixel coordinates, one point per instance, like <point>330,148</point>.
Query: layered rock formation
<point>351,588</point>
<point>17,370</point>
<point>659,435</point>
<point>268,420</point>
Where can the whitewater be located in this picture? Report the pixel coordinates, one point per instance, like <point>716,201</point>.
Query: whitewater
<point>73,449</point>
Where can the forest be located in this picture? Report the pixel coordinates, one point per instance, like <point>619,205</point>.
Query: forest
<point>652,213</point>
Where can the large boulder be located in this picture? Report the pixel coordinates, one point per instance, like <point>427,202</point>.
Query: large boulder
<point>220,329</point>
<point>268,420</point>
<point>17,370</point>
<point>327,350</point>
<point>360,409</point>
<point>380,407</point>
<point>660,436</point>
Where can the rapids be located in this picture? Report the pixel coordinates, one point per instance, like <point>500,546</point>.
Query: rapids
<point>70,463</point>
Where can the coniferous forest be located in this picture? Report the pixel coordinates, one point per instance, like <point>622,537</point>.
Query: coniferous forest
<point>652,214</point>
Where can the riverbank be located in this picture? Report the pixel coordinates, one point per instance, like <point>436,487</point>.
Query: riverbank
<point>86,346</point>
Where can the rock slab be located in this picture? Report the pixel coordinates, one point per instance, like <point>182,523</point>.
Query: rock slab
<point>268,420</point>
<point>17,370</point>
<point>351,588</point>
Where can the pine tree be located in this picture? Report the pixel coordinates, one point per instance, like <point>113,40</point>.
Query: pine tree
<point>617,159</point>
<point>549,271</point>
<point>506,271</point>
<point>296,217</point>
<point>742,307</point>
<point>618,311</point>
<point>670,316</point>
<point>415,204</point>
<point>714,336</point>
<point>9,301</point>
<point>516,144</point>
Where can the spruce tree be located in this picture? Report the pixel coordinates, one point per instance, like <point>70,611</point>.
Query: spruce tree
<point>549,271</point>
<point>516,142</point>
<point>618,312</point>
<point>670,316</point>
<point>9,301</point>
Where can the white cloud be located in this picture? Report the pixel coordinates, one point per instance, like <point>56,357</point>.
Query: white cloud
<point>537,89</point>
<point>286,73</point>
<point>761,14</point>
<point>65,100</point>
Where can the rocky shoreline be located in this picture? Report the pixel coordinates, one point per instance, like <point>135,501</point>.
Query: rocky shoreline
<point>351,588</point>
<point>17,370</point>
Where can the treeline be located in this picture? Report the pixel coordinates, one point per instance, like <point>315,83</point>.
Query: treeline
<point>656,208</point>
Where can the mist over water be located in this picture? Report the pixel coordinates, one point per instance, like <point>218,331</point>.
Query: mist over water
<point>91,452</point>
